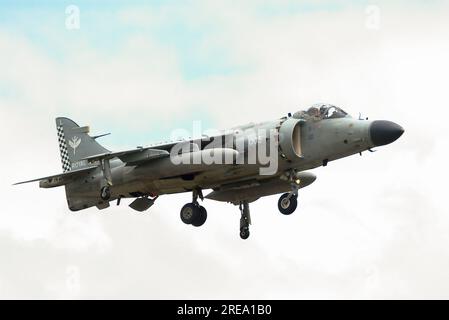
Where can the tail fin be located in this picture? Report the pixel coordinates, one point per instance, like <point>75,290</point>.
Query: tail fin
<point>75,144</point>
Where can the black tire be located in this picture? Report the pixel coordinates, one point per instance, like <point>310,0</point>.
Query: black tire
<point>105,193</point>
<point>244,233</point>
<point>287,206</point>
<point>201,218</point>
<point>189,213</point>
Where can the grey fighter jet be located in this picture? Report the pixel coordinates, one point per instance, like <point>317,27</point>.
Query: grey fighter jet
<point>239,165</point>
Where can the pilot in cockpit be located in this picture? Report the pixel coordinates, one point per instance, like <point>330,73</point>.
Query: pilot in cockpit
<point>328,111</point>
<point>320,112</point>
<point>313,112</point>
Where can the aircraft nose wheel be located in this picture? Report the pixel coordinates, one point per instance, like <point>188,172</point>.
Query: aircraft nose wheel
<point>287,203</point>
<point>105,193</point>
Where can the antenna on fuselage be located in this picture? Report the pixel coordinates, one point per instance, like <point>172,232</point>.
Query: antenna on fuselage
<point>360,117</point>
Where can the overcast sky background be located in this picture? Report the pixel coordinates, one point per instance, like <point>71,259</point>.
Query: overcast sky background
<point>375,226</point>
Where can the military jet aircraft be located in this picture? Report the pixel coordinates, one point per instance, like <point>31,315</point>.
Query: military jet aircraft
<point>95,176</point>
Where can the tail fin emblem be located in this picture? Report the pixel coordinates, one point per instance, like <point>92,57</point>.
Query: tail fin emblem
<point>74,143</point>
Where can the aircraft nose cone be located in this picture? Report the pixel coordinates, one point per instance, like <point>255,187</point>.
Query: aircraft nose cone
<point>383,132</point>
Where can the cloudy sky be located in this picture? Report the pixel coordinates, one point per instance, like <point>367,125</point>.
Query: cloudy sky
<point>375,226</point>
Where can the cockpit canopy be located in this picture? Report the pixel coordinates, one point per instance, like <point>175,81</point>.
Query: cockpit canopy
<point>321,111</point>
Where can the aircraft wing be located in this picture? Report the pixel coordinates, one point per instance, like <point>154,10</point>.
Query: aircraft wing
<point>154,151</point>
<point>60,179</point>
<point>131,157</point>
<point>204,140</point>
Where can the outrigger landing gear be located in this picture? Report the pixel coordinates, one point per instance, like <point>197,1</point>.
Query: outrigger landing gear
<point>192,213</point>
<point>245,219</point>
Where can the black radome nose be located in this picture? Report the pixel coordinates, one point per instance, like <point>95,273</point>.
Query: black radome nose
<point>383,132</point>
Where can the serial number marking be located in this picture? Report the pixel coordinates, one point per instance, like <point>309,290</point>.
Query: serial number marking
<point>239,309</point>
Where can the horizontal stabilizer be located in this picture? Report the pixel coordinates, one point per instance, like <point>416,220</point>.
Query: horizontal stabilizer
<point>60,179</point>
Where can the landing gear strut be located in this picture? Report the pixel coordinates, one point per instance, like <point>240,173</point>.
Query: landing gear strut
<point>192,213</point>
<point>105,191</point>
<point>245,220</point>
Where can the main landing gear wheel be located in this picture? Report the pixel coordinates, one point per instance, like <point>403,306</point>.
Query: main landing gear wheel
<point>189,213</point>
<point>287,203</point>
<point>105,193</point>
<point>201,218</point>
<point>193,214</point>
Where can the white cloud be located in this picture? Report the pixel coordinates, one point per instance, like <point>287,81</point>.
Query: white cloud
<point>369,227</point>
